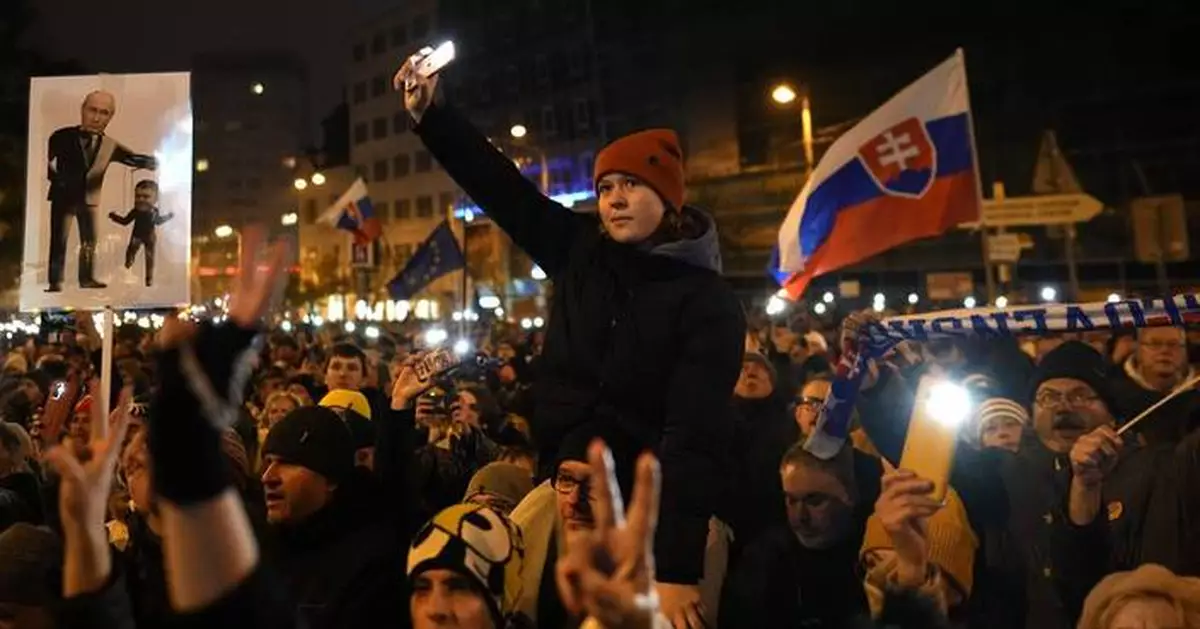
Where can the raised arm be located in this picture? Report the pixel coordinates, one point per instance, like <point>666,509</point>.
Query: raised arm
<point>121,220</point>
<point>211,558</point>
<point>163,218</point>
<point>544,229</point>
<point>124,155</point>
<point>94,597</point>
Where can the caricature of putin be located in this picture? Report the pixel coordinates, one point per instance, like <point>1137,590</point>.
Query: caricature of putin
<point>77,159</point>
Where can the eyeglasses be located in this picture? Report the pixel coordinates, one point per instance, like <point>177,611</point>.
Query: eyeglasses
<point>566,484</point>
<point>1078,397</point>
<point>1162,344</point>
<point>811,403</point>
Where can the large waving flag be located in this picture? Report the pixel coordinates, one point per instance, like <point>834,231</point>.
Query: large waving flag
<point>906,172</point>
<point>354,213</point>
<point>437,256</point>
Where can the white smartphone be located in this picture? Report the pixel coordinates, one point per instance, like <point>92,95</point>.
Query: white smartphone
<point>429,60</point>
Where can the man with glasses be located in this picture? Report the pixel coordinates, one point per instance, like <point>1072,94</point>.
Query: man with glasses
<point>556,513</point>
<point>1158,366</point>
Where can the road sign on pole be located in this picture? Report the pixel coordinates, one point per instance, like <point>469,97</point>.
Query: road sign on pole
<point>362,255</point>
<point>1050,209</point>
<point>1004,248</point>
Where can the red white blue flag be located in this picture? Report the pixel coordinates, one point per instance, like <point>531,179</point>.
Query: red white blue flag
<point>906,172</point>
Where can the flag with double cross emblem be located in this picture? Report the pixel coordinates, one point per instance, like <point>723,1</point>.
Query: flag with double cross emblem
<point>905,172</point>
<point>902,160</point>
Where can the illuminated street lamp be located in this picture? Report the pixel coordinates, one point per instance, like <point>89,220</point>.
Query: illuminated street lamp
<point>318,179</point>
<point>784,95</point>
<point>300,183</point>
<point>518,132</point>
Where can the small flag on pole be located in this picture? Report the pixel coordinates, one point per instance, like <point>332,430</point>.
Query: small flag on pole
<point>354,213</point>
<point>437,256</point>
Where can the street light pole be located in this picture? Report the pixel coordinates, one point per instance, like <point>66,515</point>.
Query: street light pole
<point>807,131</point>
<point>518,133</point>
<point>783,94</point>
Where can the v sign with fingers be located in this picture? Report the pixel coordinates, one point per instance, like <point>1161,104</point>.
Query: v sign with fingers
<point>608,575</point>
<point>206,368</point>
<point>83,497</point>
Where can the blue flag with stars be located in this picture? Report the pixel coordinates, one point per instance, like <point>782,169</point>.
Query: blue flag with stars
<point>437,256</point>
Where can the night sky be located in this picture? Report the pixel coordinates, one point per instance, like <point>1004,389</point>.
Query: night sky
<point>163,35</point>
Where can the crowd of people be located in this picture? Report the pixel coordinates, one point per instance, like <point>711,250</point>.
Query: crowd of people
<point>639,464</point>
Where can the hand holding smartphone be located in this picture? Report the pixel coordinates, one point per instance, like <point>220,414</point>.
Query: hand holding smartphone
<point>434,364</point>
<point>939,411</point>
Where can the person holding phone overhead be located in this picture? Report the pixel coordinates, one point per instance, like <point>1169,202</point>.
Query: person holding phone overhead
<point>642,331</point>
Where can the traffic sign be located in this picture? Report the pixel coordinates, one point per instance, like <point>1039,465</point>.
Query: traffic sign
<point>1004,248</point>
<point>1050,209</point>
<point>362,256</point>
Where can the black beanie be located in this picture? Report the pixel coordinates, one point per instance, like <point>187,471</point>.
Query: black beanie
<point>1077,361</point>
<point>362,430</point>
<point>315,438</point>
<point>625,450</point>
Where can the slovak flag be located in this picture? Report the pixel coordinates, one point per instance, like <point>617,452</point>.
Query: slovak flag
<point>906,172</point>
<point>353,212</point>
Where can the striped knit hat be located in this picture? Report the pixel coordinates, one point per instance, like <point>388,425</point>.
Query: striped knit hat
<point>995,410</point>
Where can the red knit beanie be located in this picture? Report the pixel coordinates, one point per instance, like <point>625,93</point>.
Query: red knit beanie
<point>653,156</point>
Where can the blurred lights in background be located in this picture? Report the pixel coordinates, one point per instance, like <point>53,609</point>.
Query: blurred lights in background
<point>435,337</point>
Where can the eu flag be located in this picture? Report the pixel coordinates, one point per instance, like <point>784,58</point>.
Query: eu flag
<point>437,256</point>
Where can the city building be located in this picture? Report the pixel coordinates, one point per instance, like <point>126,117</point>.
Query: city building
<point>251,121</point>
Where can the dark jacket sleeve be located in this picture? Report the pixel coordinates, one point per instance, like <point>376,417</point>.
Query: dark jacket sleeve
<point>747,599</point>
<point>107,608</point>
<point>1173,512</point>
<point>258,602</point>
<point>395,466</point>
<point>697,429</point>
<point>1081,555</point>
<point>54,150</point>
<point>883,412</point>
<point>122,220</point>
<point>542,228</point>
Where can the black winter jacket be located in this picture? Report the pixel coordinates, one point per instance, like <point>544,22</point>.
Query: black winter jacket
<point>650,338</point>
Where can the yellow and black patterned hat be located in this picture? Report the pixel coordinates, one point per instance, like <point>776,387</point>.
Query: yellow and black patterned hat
<point>476,541</point>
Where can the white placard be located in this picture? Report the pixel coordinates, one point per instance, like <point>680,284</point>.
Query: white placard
<point>110,159</point>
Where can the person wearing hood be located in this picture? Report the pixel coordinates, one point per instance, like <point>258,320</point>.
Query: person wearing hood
<point>763,432</point>
<point>642,332</point>
<point>1157,367</point>
<point>341,564</point>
